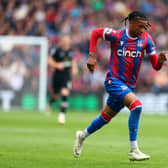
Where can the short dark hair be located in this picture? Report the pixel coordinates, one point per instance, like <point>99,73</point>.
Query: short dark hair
<point>135,15</point>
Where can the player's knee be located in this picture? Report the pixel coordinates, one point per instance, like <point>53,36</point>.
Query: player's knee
<point>65,92</point>
<point>136,105</point>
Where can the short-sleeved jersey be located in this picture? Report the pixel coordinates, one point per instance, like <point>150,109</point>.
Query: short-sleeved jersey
<point>60,55</point>
<point>126,54</point>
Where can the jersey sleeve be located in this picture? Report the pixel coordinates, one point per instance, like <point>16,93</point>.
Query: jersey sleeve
<point>104,33</point>
<point>154,61</point>
<point>151,51</point>
<point>96,34</point>
<point>150,48</point>
<point>52,51</point>
<point>109,34</point>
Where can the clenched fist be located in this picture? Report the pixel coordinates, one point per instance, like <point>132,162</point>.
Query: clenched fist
<point>162,57</point>
<point>91,63</point>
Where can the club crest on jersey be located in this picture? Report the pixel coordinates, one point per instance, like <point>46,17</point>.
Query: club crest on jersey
<point>139,43</point>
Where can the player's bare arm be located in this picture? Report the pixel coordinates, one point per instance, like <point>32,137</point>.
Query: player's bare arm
<point>54,64</point>
<point>91,63</point>
<point>74,68</point>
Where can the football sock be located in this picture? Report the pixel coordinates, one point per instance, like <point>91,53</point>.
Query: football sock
<point>96,124</point>
<point>85,134</point>
<point>133,122</point>
<point>134,145</point>
<point>64,104</point>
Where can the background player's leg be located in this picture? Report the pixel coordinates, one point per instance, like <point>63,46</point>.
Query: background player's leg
<point>63,105</point>
<point>52,98</point>
<point>54,92</point>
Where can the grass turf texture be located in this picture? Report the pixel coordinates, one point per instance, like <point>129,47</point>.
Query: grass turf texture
<point>32,140</point>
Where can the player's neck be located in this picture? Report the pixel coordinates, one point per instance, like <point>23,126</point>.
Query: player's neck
<point>129,34</point>
<point>65,48</point>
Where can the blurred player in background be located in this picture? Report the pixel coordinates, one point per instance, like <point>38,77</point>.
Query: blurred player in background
<point>61,59</point>
<point>127,50</point>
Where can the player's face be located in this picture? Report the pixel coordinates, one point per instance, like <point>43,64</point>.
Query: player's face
<point>65,42</point>
<point>137,27</point>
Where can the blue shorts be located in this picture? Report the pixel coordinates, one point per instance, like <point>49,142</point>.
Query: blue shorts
<point>116,90</point>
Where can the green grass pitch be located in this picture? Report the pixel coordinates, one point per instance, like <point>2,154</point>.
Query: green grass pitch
<point>32,140</point>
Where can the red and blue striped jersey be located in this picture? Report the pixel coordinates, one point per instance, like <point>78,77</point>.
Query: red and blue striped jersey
<point>127,54</point>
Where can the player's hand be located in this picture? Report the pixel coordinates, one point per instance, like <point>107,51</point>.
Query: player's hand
<point>162,57</point>
<point>60,66</point>
<point>91,63</point>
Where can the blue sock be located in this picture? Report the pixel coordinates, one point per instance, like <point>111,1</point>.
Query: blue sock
<point>133,123</point>
<point>96,124</point>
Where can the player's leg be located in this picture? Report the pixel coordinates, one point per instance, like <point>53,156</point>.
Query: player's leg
<point>63,105</point>
<point>51,100</point>
<point>55,88</point>
<point>65,91</point>
<point>112,107</point>
<point>105,117</point>
<point>135,108</point>
<point>54,95</point>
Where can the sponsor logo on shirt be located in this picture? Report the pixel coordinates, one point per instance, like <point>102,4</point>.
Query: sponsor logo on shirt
<point>126,53</point>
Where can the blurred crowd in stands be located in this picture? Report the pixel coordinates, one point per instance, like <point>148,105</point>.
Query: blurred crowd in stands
<point>19,69</point>
<point>51,18</point>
